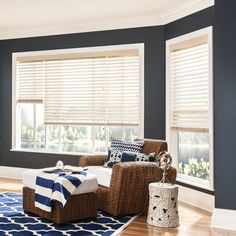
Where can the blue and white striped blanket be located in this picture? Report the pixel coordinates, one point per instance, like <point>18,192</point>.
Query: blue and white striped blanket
<point>56,186</point>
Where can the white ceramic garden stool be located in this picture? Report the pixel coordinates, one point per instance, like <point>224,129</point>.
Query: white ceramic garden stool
<point>163,205</point>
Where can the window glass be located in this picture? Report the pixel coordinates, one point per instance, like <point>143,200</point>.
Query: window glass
<point>131,133</point>
<point>53,137</point>
<point>27,125</point>
<point>116,133</point>
<point>40,127</point>
<point>194,154</point>
<point>76,138</point>
<point>100,139</point>
<point>123,133</point>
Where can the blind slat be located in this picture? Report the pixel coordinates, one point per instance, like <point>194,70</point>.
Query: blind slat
<point>105,93</point>
<point>190,88</point>
<point>103,90</point>
<point>29,82</point>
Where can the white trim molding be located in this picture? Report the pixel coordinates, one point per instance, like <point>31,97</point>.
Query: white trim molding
<point>8,172</point>
<point>81,27</point>
<point>168,16</point>
<point>196,198</point>
<point>176,13</point>
<point>223,219</point>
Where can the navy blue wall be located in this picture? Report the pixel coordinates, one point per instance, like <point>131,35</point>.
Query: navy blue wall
<point>154,126</point>
<point>225,103</point>
<point>222,16</point>
<point>190,23</point>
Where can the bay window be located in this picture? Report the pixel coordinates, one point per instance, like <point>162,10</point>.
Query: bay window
<point>76,100</point>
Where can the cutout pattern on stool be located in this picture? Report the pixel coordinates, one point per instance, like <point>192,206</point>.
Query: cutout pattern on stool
<point>163,206</point>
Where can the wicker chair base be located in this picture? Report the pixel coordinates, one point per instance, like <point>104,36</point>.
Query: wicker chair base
<point>77,207</point>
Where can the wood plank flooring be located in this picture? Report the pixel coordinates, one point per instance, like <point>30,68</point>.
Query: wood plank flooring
<point>193,221</point>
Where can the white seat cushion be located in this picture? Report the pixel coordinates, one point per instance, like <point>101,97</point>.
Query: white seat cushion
<point>103,174</point>
<point>89,185</point>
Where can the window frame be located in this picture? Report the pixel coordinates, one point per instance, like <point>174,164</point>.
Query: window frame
<point>172,136</point>
<point>96,49</point>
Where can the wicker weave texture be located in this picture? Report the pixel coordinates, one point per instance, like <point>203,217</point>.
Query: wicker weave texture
<point>77,207</point>
<point>128,192</point>
<point>154,145</point>
<point>92,160</point>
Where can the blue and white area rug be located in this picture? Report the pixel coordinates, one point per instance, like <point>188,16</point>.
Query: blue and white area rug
<point>13,221</point>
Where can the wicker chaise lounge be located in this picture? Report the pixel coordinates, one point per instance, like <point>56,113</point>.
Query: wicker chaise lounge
<point>128,191</point>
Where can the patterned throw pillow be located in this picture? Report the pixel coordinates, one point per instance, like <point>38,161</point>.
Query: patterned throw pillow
<point>145,157</point>
<point>116,156</point>
<point>130,146</point>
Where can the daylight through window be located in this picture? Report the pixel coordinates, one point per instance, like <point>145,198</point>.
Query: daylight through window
<point>189,113</point>
<point>77,101</point>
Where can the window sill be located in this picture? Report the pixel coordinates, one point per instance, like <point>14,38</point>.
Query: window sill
<point>55,152</point>
<point>195,185</point>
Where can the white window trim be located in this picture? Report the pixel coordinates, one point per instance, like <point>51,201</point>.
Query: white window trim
<point>137,46</point>
<point>172,146</point>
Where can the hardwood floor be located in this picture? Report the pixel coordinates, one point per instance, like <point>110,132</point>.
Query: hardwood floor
<point>10,185</point>
<point>193,221</point>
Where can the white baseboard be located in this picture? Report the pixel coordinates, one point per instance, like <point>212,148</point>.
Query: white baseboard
<point>196,198</point>
<point>11,172</point>
<point>223,219</point>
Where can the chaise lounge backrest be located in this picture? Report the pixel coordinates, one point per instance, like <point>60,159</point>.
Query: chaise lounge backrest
<point>153,145</point>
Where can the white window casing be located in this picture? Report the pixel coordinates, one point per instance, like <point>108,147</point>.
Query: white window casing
<point>189,96</point>
<point>84,86</point>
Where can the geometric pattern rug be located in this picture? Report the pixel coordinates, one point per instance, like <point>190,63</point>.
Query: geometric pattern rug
<point>13,221</point>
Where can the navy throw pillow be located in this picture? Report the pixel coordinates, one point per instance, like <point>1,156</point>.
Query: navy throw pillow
<point>116,156</point>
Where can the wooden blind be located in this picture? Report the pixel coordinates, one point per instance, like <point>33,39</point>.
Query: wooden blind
<point>97,91</point>
<point>190,88</point>
<point>92,91</point>
<point>30,77</point>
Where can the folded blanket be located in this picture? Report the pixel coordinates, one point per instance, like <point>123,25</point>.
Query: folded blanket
<point>56,186</point>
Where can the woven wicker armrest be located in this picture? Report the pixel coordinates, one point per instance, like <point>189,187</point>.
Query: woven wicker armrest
<point>129,184</point>
<point>125,173</point>
<point>92,160</point>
